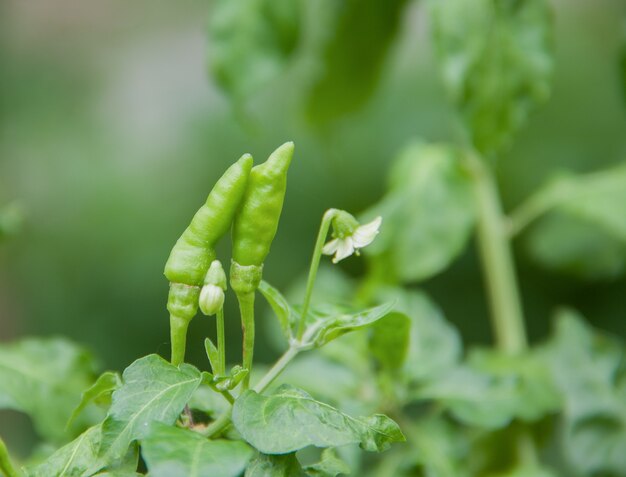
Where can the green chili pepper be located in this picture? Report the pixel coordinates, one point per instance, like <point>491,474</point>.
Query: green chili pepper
<point>254,228</point>
<point>194,251</point>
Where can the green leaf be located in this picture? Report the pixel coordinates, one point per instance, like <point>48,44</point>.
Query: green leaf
<point>44,378</point>
<point>175,452</point>
<point>358,35</point>
<point>251,42</point>
<point>590,370</point>
<point>275,466</point>
<point>77,459</point>
<point>207,400</point>
<point>152,390</point>
<point>585,232</point>
<point>428,213</point>
<point>281,308</point>
<point>389,342</point>
<point>329,466</point>
<point>496,60</point>
<point>11,220</point>
<point>212,353</point>
<point>290,419</point>
<point>99,393</point>
<point>328,322</point>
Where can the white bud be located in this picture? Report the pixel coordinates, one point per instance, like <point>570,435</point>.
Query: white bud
<point>211,299</point>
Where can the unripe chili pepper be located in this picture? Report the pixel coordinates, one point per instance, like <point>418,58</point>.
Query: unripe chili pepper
<point>254,229</point>
<point>189,260</point>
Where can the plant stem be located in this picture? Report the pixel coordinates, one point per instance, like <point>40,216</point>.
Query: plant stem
<point>246,307</point>
<point>497,261</point>
<point>178,337</point>
<point>6,466</point>
<point>221,343</point>
<point>218,426</point>
<point>278,368</point>
<point>315,263</point>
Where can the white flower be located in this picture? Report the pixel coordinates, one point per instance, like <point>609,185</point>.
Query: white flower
<point>362,236</point>
<point>211,299</point>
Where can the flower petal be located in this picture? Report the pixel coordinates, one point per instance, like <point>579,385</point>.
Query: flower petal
<point>344,250</point>
<point>365,234</point>
<point>331,247</point>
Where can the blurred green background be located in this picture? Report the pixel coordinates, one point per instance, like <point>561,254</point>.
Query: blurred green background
<point>112,132</point>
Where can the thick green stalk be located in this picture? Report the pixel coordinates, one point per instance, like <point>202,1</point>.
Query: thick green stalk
<point>221,343</point>
<point>315,263</point>
<point>497,261</point>
<point>246,307</point>
<point>6,466</point>
<point>178,336</point>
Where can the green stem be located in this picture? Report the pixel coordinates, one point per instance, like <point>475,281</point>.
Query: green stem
<point>221,343</point>
<point>315,263</point>
<point>6,466</point>
<point>278,368</point>
<point>218,426</point>
<point>246,307</point>
<point>497,261</point>
<point>178,336</point>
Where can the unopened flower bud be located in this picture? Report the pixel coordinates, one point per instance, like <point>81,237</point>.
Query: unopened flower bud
<point>211,299</point>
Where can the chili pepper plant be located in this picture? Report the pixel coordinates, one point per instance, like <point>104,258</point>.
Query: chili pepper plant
<point>372,380</point>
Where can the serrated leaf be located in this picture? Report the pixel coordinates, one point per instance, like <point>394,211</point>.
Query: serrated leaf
<point>585,231</point>
<point>99,393</point>
<point>358,36</point>
<point>77,459</point>
<point>44,378</point>
<point>290,419</point>
<point>428,213</point>
<point>496,60</point>
<point>152,390</point>
<point>329,466</point>
<point>264,465</point>
<point>251,42</point>
<point>175,452</point>
<point>590,370</point>
<point>328,322</point>
<point>281,308</point>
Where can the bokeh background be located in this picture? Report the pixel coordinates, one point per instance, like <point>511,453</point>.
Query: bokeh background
<point>113,130</point>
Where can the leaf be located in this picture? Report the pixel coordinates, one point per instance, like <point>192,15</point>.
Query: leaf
<point>152,390</point>
<point>428,213</point>
<point>328,322</point>
<point>358,35</point>
<point>264,465</point>
<point>291,419</point>
<point>590,370</point>
<point>11,220</point>
<point>329,466</point>
<point>251,42</point>
<point>434,345</point>
<point>281,308</point>
<point>496,61</point>
<point>207,400</point>
<point>98,393</point>
<point>175,452</point>
<point>76,459</point>
<point>389,342</point>
<point>585,232</point>
<point>212,353</point>
<point>44,378</point>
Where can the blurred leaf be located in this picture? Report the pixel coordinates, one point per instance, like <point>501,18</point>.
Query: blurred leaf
<point>99,393</point>
<point>78,458</point>
<point>208,400</point>
<point>290,419</point>
<point>358,38</point>
<point>11,220</point>
<point>212,353</point>
<point>496,60</point>
<point>175,452</point>
<point>281,308</point>
<point>585,232</point>
<point>328,322</point>
<point>590,370</point>
<point>434,345</point>
<point>389,342</point>
<point>275,466</point>
<point>427,214</point>
<point>329,466</point>
<point>251,41</point>
<point>44,378</point>
<point>152,390</point>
